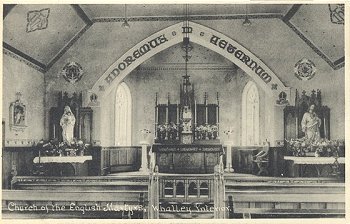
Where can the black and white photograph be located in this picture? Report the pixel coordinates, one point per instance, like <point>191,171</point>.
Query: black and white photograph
<point>230,111</point>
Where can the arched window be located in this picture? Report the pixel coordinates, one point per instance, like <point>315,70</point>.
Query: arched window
<point>250,115</point>
<point>123,116</point>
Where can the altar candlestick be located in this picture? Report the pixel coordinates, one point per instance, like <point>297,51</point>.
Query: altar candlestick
<point>157,114</point>
<point>166,113</point>
<point>206,107</point>
<point>217,114</point>
<point>156,122</point>
<point>296,126</point>
<point>177,113</point>
<point>324,127</point>
<point>195,112</point>
<point>80,131</point>
<point>206,114</point>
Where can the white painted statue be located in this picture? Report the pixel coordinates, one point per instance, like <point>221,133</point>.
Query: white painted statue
<point>67,123</point>
<point>310,124</point>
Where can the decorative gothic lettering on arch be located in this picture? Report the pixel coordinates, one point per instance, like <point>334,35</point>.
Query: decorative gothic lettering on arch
<point>201,35</point>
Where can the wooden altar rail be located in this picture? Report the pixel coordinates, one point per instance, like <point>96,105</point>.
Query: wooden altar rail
<point>286,200</point>
<point>120,158</point>
<point>122,200</point>
<point>101,183</point>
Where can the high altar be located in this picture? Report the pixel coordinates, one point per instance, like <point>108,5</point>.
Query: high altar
<point>187,134</point>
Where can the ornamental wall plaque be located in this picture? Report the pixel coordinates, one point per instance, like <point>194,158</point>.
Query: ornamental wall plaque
<point>72,72</point>
<point>337,13</point>
<point>304,69</point>
<point>18,114</point>
<point>37,20</point>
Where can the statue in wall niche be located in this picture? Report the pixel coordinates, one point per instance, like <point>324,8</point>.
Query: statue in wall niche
<point>310,124</point>
<point>67,123</point>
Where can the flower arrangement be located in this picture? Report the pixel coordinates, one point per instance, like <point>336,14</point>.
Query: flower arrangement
<point>162,128</point>
<point>228,133</point>
<point>167,131</point>
<point>172,127</point>
<point>207,131</point>
<point>322,147</point>
<point>145,132</point>
<point>54,147</point>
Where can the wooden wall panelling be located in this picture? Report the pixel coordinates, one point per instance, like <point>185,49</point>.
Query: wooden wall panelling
<point>16,161</point>
<point>118,159</point>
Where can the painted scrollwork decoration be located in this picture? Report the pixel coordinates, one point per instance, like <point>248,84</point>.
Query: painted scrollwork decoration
<point>304,69</point>
<point>18,114</point>
<point>72,72</point>
<point>37,20</point>
<point>337,13</point>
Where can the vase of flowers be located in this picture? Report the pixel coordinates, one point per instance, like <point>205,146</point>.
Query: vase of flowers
<point>319,148</point>
<point>229,133</point>
<point>145,134</point>
<point>54,147</point>
<point>172,129</point>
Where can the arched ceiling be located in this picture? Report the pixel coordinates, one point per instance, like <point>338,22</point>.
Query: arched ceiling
<point>40,34</point>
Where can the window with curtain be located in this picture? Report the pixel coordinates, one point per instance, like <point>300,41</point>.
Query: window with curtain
<point>250,115</point>
<point>123,116</point>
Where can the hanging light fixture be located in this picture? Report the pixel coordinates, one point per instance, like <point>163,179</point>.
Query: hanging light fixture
<point>246,21</point>
<point>186,46</point>
<point>125,23</point>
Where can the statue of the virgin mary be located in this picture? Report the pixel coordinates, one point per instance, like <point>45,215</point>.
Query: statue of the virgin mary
<point>67,123</point>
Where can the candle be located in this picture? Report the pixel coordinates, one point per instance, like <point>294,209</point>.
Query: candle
<point>54,131</point>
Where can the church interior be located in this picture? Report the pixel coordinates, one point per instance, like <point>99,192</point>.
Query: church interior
<point>173,111</point>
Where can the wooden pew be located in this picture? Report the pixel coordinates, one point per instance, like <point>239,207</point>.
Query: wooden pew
<point>101,183</point>
<point>63,204</point>
<point>287,200</point>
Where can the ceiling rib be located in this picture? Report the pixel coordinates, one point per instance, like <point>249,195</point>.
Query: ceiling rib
<point>180,18</point>
<point>291,12</point>
<point>339,61</point>
<point>82,14</point>
<point>24,56</point>
<point>67,46</point>
<point>7,8</point>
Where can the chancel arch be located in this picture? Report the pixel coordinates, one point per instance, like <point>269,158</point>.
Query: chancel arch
<point>257,70</point>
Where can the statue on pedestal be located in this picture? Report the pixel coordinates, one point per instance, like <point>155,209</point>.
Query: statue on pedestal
<point>67,123</point>
<point>310,124</point>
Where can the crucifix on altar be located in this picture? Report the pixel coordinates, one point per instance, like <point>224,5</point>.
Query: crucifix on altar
<point>186,97</point>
